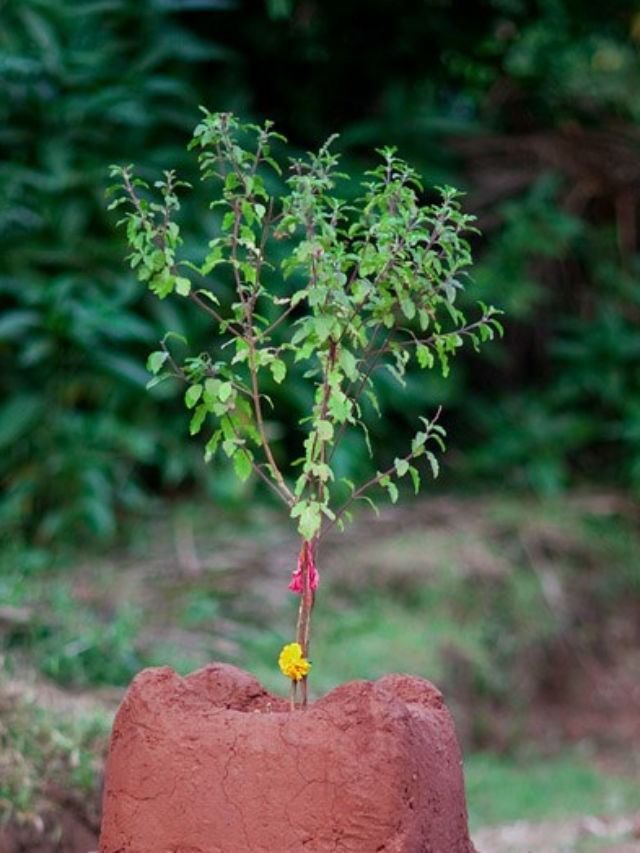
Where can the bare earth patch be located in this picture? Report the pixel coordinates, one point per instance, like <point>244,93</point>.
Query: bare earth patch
<point>599,705</point>
<point>583,835</point>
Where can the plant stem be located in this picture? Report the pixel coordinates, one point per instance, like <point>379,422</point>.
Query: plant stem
<point>374,481</point>
<point>225,325</point>
<point>303,629</point>
<point>264,441</point>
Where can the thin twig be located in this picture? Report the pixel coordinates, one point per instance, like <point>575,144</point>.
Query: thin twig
<point>264,441</point>
<point>226,325</point>
<point>374,481</point>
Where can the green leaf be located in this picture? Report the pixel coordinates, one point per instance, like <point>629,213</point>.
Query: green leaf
<point>183,286</point>
<point>324,430</point>
<point>225,391</point>
<point>195,425</point>
<point>212,445</point>
<point>346,518</point>
<point>498,326</point>
<point>156,361</point>
<point>157,260</point>
<point>444,359</point>
<point>368,500</point>
<point>424,356</point>
<point>323,326</point>
<point>415,476</point>
<point>349,364</point>
<point>278,370</point>
<point>175,336</point>
<point>192,395</point>
<point>418,442</point>
<point>162,284</point>
<point>243,351</point>
<point>310,521</point>
<point>340,406</point>
<point>230,446</point>
<point>402,466</point>
<point>424,318</point>
<point>207,294</point>
<point>388,484</point>
<point>227,426</point>
<point>242,464</point>
<point>433,462</point>
<point>408,308</point>
<point>371,397</point>
<point>309,515</point>
<point>321,471</point>
<point>300,485</point>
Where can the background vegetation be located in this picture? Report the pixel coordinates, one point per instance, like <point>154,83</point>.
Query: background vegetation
<point>528,106</point>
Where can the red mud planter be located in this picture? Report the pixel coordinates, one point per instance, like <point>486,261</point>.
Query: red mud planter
<point>212,763</point>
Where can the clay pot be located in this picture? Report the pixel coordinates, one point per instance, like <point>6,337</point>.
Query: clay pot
<point>212,763</point>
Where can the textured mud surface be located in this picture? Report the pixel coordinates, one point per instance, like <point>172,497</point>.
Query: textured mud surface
<point>212,763</point>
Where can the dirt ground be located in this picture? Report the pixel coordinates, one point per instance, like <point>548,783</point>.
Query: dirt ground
<point>605,835</point>
<point>72,832</point>
<point>602,707</point>
<point>73,826</point>
<point>582,835</point>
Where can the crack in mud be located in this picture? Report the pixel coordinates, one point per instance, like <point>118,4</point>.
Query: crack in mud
<point>230,800</point>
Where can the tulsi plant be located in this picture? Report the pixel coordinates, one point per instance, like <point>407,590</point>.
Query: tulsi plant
<point>344,289</point>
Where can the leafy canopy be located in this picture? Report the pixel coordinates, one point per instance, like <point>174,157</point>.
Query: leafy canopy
<point>345,289</point>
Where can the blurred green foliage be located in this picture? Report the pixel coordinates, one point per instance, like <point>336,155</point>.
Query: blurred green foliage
<point>504,790</point>
<point>43,750</point>
<point>80,85</point>
<point>529,106</point>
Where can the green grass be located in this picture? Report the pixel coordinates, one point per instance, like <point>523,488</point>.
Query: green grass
<point>73,642</point>
<point>460,594</point>
<point>460,602</point>
<point>43,750</point>
<point>366,639</point>
<point>504,790</point>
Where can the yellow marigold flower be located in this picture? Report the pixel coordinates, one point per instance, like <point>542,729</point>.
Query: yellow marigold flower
<point>291,662</point>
